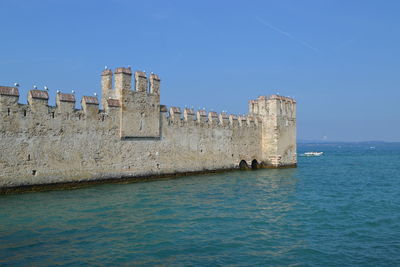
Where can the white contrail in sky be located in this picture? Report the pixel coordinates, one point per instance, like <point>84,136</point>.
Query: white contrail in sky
<point>272,27</point>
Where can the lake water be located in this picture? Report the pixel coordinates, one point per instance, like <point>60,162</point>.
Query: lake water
<point>342,208</point>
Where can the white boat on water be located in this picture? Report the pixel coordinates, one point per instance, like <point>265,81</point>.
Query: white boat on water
<point>313,154</point>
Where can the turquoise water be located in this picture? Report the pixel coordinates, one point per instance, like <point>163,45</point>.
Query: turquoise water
<point>342,208</point>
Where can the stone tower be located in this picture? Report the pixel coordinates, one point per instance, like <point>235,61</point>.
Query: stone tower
<point>140,108</point>
<point>278,142</point>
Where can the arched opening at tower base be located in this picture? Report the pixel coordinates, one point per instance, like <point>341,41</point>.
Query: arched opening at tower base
<point>254,164</point>
<point>243,165</point>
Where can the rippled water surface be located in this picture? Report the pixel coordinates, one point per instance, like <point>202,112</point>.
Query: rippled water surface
<point>342,208</point>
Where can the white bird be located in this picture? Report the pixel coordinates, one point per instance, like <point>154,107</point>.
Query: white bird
<point>109,97</point>
<point>34,87</point>
<point>95,94</point>
<point>16,84</point>
<point>58,91</point>
<point>105,67</point>
<point>73,91</point>
<point>46,88</point>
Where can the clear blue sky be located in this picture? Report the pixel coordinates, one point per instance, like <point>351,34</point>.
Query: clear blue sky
<point>340,59</point>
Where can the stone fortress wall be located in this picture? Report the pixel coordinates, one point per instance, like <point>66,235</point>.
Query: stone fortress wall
<point>135,136</point>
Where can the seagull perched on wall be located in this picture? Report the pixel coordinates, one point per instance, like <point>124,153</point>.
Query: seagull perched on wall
<point>58,91</point>
<point>16,84</point>
<point>35,87</point>
<point>73,92</point>
<point>95,94</point>
<point>46,88</point>
<point>105,67</point>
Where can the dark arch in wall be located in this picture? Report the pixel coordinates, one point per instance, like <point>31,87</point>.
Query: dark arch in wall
<point>243,165</point>
<point>254,164</point>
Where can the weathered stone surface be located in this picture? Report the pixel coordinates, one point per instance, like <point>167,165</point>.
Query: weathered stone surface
<point>139,114</point>
<point>141,81</point>
<point>188,115</point>
<point>224,115</point>
<point>175,110</point>
<point>202,113</point>
<point>113,103</point>
<point>7,90</point>
<point>38,101</point>
<point>189,111</point>
<point>106,72</point>
<point>40,144</point>
<point>154,84</point>
<point>66,97</point>
<point>39,94</point>
<point>233,117</point>
<point>123,70</point>
<point>91,100</point>
<point>213,114</point>
<point>278,114</point>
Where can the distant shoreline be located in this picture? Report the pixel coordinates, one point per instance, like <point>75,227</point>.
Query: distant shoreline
<point>302,142</point>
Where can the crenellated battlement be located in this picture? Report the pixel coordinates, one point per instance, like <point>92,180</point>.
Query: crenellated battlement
<point>200,118</point>
<point>140,104</point>
<point>121,103</point>
<point>127,131</point>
